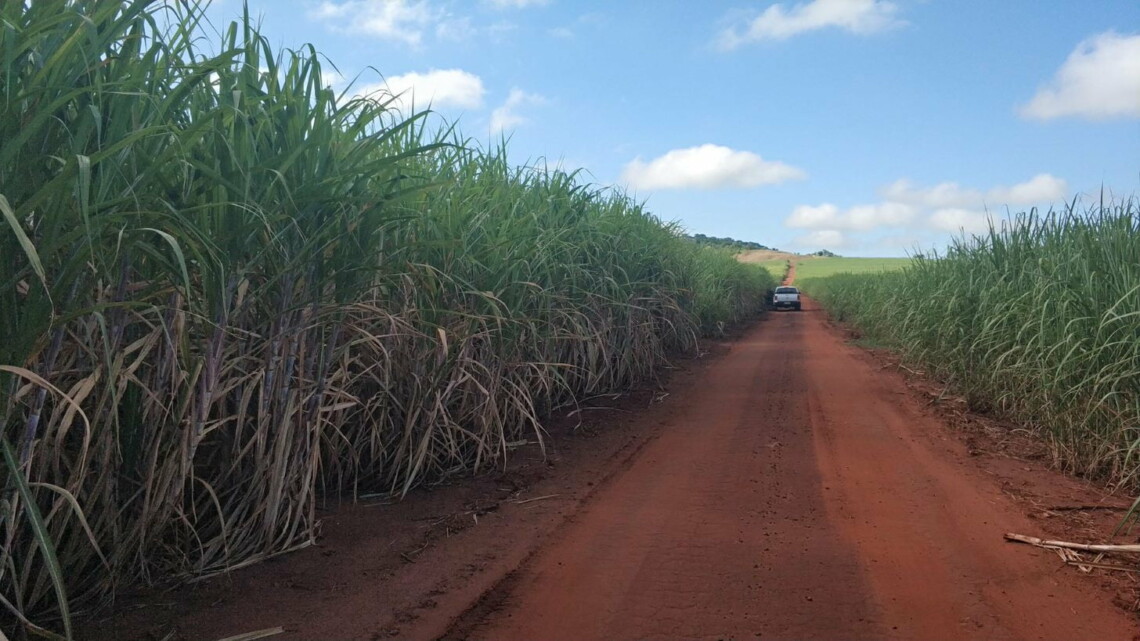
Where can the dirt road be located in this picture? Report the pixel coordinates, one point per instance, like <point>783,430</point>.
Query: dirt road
<point>786,488</point>
<point>797,497</point>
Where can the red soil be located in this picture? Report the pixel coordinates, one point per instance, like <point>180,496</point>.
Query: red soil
<point>788,488</point>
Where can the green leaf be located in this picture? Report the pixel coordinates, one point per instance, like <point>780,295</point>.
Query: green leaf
<point>39,531</point>
<point>22,238</point>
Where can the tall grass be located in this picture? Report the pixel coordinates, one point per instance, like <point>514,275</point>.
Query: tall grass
<point>226,291</point>
<point>1038,320</point>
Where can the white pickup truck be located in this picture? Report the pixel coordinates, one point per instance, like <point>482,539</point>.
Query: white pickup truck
<point>786,296</point>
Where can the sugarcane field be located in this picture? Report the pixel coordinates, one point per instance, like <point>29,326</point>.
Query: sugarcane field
<point>445,320</point>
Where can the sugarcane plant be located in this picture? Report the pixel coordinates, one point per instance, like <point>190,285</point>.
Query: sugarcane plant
<point>229,292</point>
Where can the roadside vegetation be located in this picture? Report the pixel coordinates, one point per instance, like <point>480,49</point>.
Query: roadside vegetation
<point>1038,321</point>
<point>227,292</point>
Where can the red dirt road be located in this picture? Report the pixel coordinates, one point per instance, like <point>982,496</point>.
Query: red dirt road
<point>798,496</point>
<point>786,487</point>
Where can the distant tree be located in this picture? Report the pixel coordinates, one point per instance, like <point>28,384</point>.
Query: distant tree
<point>825,254</point>
<point>729,243</point>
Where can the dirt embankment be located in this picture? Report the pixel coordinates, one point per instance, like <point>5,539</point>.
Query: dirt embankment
<point>790,487</point>
<point>764,255</point>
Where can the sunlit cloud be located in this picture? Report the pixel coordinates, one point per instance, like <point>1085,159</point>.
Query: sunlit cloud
<point>509,115</point>
<point>438,88</point>
<point>707,167</point>
<point>860,17</point>
<point>1099,80</point>
<point>914,211</point>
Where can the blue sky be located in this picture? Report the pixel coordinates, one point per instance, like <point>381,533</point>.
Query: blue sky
<point>866,127</point>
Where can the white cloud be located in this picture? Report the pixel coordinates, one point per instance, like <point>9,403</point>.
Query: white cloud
<point>947,194</point>
<point>955,220</point>
<point>777,23</point>
<point>864,217</point>
<point>331,77</point>
<point>858,218</point>
<point>507,115</point>
<point>822,239</point>
<point>399,20</point>
<point>707,167</point>
<point>1099,80</point>
<point>561,32</point>
<point>1042,188</point>
<point>437,88</point>
<point>911,211</point>
<point>809,216</point>
<point>1039,189</point>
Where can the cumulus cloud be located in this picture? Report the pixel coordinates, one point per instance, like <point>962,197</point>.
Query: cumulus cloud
<point>777,23</point>
<point>508,116</point>
<point>436,88</point>
<point>399,20</point>
<point>1041,188</point>
<point>909,210</point>
<point>858,218</point>
<point>823,239</point>
<point>864,217</point>
<point>947,194</point>
<point>707,167</point>
<point>1099,80</point>
<point>814,216</point>
<point>955,219</point>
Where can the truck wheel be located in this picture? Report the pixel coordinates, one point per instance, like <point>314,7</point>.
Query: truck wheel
<point>797,307</point>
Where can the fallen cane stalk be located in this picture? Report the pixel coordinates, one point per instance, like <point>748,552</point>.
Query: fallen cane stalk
<point>1086,547</point>
<point>1101,566</point>
<point>537,498</point>
<point>259,634</point>
<point>1081,508</point>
